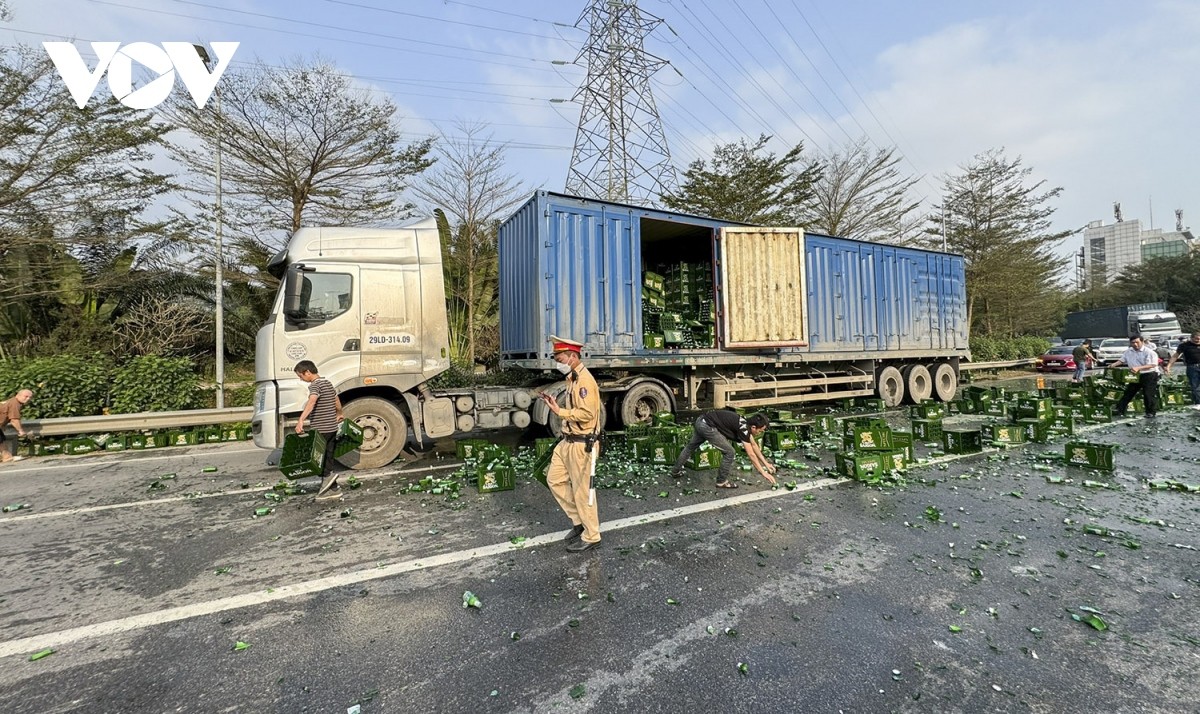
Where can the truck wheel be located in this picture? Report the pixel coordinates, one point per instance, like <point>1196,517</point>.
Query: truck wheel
<point>918,383</point>
<point>641,402</point>
<point>385,431</point>
<point>945,381</point>
<point>889,385</point>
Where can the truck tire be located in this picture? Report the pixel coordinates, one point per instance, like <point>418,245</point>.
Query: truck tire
<point>889,386</point>
<point>642,401</point>
<point>385,432</point>
<point>945,381</point>
<point>917,383</point>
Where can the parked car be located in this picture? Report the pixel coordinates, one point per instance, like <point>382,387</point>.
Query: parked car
<point>1109,349</point>
<point>1057,359</point>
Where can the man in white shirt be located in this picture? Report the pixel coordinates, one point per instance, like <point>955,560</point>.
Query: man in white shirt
<point>1142,360</point>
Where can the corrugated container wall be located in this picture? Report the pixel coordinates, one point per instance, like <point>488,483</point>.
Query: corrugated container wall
<point>573,267</point>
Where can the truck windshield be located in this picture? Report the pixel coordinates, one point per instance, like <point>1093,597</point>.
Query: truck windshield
<point>323,296</point>
<point>1169,324</point>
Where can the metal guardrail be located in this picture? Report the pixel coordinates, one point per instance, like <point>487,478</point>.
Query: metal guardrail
<point>997,365</point>
<point>69,426</point>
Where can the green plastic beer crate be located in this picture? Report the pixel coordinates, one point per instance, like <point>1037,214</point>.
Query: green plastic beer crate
<point>542,463</point>
<point>705,459</point>
<point>1034,408</point>
<point>1004,433</point>
<point>870,404</point>
<point>183,438</point>
<point>636,431</point>
<point>782,415</point>
<point>1174,398</point>
<point>895,460</point>
<point>469,448</point>
<point>349,437</point>
<point>669,433</point>
<point>825,423</point>
<point>653,281</point>
<point>927,410</point>
<point>1097,413</point>
<point>48,448</point>
<point>903,441</point>
<point>860,465</point>
<point>235,433</point>
<point>927,430</point>
<point>873,435</point>
<point>653,341</point>
<point>781,440</point>
<point>116,442</point>
<point>1092,456</point>
<point>496,476</point>
<point>1036,430</point>
<point>673,337</point>
<point>642,447</point>
<point>541,446</point>
<point>995,408</point>
<point>664,453</point>
<point>75,447</point>
<point>1065,425</point>
<point>954,408</point>
<point>662,419</point>
<point>137,441</point>
<point>1121,375</point>
<point>959,440</point>
<point>303,454</point>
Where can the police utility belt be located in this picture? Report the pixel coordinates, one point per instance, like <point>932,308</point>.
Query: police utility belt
<point>588,439</point>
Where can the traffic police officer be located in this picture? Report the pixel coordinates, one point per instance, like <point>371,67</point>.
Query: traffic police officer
<point>573,464</point>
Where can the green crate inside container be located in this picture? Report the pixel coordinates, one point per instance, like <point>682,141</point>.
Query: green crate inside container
<point>781,439</point>
<point>705,459</point>
<point>1092,456</point>
<point>927,430</point>
<point>1035,430</point>
<point>958,440</point>
<point>652,280</point>
<point>653,341</point>
<point>494,477</point>
<point>1004,433</point>
<point>182,438</point>
<point>349,438</point>
<point>673,337</point>
<point>469,448</point>
<point>303,454</point>
<point>663,453</point>
<point>860,465</point>
<point>927,410</point>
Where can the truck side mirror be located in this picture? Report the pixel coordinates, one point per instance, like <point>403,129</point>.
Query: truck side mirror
<point>293,292</point>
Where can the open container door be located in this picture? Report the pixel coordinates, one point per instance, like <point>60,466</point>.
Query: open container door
<point>761,287</point>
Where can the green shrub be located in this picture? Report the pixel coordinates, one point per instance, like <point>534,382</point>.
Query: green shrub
<point>983,348</point>
<point>63,386</point>
<point>152,383</point>
<point>1029,346</point>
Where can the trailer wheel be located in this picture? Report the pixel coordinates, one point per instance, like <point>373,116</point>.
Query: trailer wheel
<point>642,402</point>
<point>554,421</point>
<point>385,431</point>
<point>889,385</point>
<point>918,383</point>
<point>945,381</point>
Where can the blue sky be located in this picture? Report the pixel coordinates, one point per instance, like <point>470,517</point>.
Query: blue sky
<point>1098,97</point>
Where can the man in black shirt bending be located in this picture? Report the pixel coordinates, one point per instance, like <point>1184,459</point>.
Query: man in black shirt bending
<point>721,427</point>
<point>1190,350</point>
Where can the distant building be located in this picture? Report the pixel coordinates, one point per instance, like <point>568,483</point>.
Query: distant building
<point>1110,249</point>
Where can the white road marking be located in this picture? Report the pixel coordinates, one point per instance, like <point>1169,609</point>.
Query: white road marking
<point>195,496</point>
<point>59,462</point>
<point>62,638</point>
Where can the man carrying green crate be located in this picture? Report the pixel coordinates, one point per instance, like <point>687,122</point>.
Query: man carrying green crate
<point>573,462</point>
<point>722,427</point>
<point>326,413</point>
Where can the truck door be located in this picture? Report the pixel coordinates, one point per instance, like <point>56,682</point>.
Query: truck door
<point>761,287</point>
<point>325,325</point>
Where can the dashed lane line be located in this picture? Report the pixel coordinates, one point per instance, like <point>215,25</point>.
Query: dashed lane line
<point>62,638</point>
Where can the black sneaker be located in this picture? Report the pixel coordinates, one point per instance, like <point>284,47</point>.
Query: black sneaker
<point>1151,416</point>
<point>573,534</point>
<point>676,473</point>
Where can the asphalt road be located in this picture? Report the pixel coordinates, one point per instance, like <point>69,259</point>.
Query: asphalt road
<point>952,592</point>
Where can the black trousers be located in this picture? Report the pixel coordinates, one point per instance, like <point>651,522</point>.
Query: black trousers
<point>330,442</point>
<point>1147,384</point>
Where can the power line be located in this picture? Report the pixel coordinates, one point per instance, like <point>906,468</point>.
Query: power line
<point>430,17</point>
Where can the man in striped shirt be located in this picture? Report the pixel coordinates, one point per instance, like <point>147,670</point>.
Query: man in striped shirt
<point>326,413</point>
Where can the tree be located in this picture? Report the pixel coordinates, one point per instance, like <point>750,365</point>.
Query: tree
<point>742,182</point>
<point>74,186</point>
<point>470,184</point>
<point>861,194</point>
<point>1000,222</point>
<point>299,146</point>
<point>1175,281</point>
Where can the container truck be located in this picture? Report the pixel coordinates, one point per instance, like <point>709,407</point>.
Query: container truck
<point>675,311</point>
<point>1151,320</point>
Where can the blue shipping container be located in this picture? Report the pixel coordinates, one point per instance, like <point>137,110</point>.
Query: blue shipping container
<point>573,267</point>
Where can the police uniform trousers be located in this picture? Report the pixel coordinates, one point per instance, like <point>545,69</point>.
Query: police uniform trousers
<point>568,477</point>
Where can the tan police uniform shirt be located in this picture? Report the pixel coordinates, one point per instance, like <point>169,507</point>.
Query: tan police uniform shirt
<point>582,415</point>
